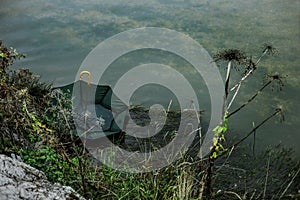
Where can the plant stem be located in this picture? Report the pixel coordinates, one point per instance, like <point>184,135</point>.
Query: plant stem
<point>254,140</point>
<point>234,96</point>
<point>225,160</point>
<point>251,99</point>
<point>226,89</point>
<point>235,194</point>
<point>227,78</point>
<point>209,170</point>
<point>289,184</point>
<point>250,71</point>
<point>262,55</point>
<point>267,175</point>
<point>238,85</point>
<point>253,130</point>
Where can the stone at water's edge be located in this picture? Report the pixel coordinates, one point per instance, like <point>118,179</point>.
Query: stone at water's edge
<point>21,181</point>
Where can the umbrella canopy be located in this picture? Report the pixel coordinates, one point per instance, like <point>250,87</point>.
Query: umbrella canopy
<point>110,111</point>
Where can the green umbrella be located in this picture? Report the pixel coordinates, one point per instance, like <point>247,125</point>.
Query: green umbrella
<point>111,112</point>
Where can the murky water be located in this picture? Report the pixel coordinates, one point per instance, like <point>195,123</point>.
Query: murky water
<point>57,35</point>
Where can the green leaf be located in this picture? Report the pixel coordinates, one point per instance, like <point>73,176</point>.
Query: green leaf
<point>2,55</point>
<point>214,155</point>
<point>218,130</point>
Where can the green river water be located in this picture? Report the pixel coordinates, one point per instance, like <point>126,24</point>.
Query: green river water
<point>57,35</point>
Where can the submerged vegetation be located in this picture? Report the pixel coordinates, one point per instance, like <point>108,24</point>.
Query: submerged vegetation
<point>36,123</point>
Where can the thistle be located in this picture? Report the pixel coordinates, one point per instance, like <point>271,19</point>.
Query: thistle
<point>278,78</point>
<point>269,49</point>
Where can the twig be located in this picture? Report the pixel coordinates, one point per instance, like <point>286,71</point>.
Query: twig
<point>249,72</point>
<point>225,160</point>
<point>238,85</point>
<point>227,76</point>
<point>169,106</point>
<point>226,88</point>
<point>252,195</point>
<point>254,139</point>
<point>202,183</point>
<point>252,131</point>
<point>235,168</point>
<point>234,96</point>
<point>267,175</point>
<point>238,196</point>
<point>285,190</point>
<point>252,98</point>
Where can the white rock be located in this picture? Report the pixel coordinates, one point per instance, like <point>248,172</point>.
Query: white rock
<point>21,181</point>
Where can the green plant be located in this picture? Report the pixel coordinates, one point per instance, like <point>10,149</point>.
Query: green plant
<point>56,168</point>
<point>234,55</point>
<point>7,57</point>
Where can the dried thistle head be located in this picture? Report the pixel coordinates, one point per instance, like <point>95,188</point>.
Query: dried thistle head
<point>280,111</point>
<point>269,49</point>
<point>278,78</point>
<point>231,55</point>
<point>279,108</point>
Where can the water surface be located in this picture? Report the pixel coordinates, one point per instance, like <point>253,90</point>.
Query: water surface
<point>57,35</point>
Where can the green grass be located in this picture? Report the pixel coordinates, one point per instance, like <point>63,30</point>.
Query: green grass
<point>36,123</point>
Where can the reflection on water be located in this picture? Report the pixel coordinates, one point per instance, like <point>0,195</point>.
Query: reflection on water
<point>57,36</point>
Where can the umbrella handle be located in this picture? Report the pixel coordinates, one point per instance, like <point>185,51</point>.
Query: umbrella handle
<point>89,82</point>
<point>89,76</point>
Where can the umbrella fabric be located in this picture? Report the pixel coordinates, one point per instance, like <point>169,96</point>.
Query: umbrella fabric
<point>110,111</point>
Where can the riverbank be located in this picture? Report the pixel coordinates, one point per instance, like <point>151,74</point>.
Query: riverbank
<point>40,132</point>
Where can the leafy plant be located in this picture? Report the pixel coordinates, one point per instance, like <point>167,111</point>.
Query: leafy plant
<point>7,57</point>
<point>52,163</point>
<point>234,55</point>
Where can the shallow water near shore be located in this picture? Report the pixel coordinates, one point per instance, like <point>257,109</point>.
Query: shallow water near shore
<point>58,35</point>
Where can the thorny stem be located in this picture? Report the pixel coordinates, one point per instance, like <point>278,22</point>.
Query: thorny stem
<point>251,99</point>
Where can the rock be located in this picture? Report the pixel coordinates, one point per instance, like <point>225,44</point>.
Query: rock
<point>21,181</point>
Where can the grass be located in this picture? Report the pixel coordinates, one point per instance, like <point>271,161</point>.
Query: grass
<point>36,123</point>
